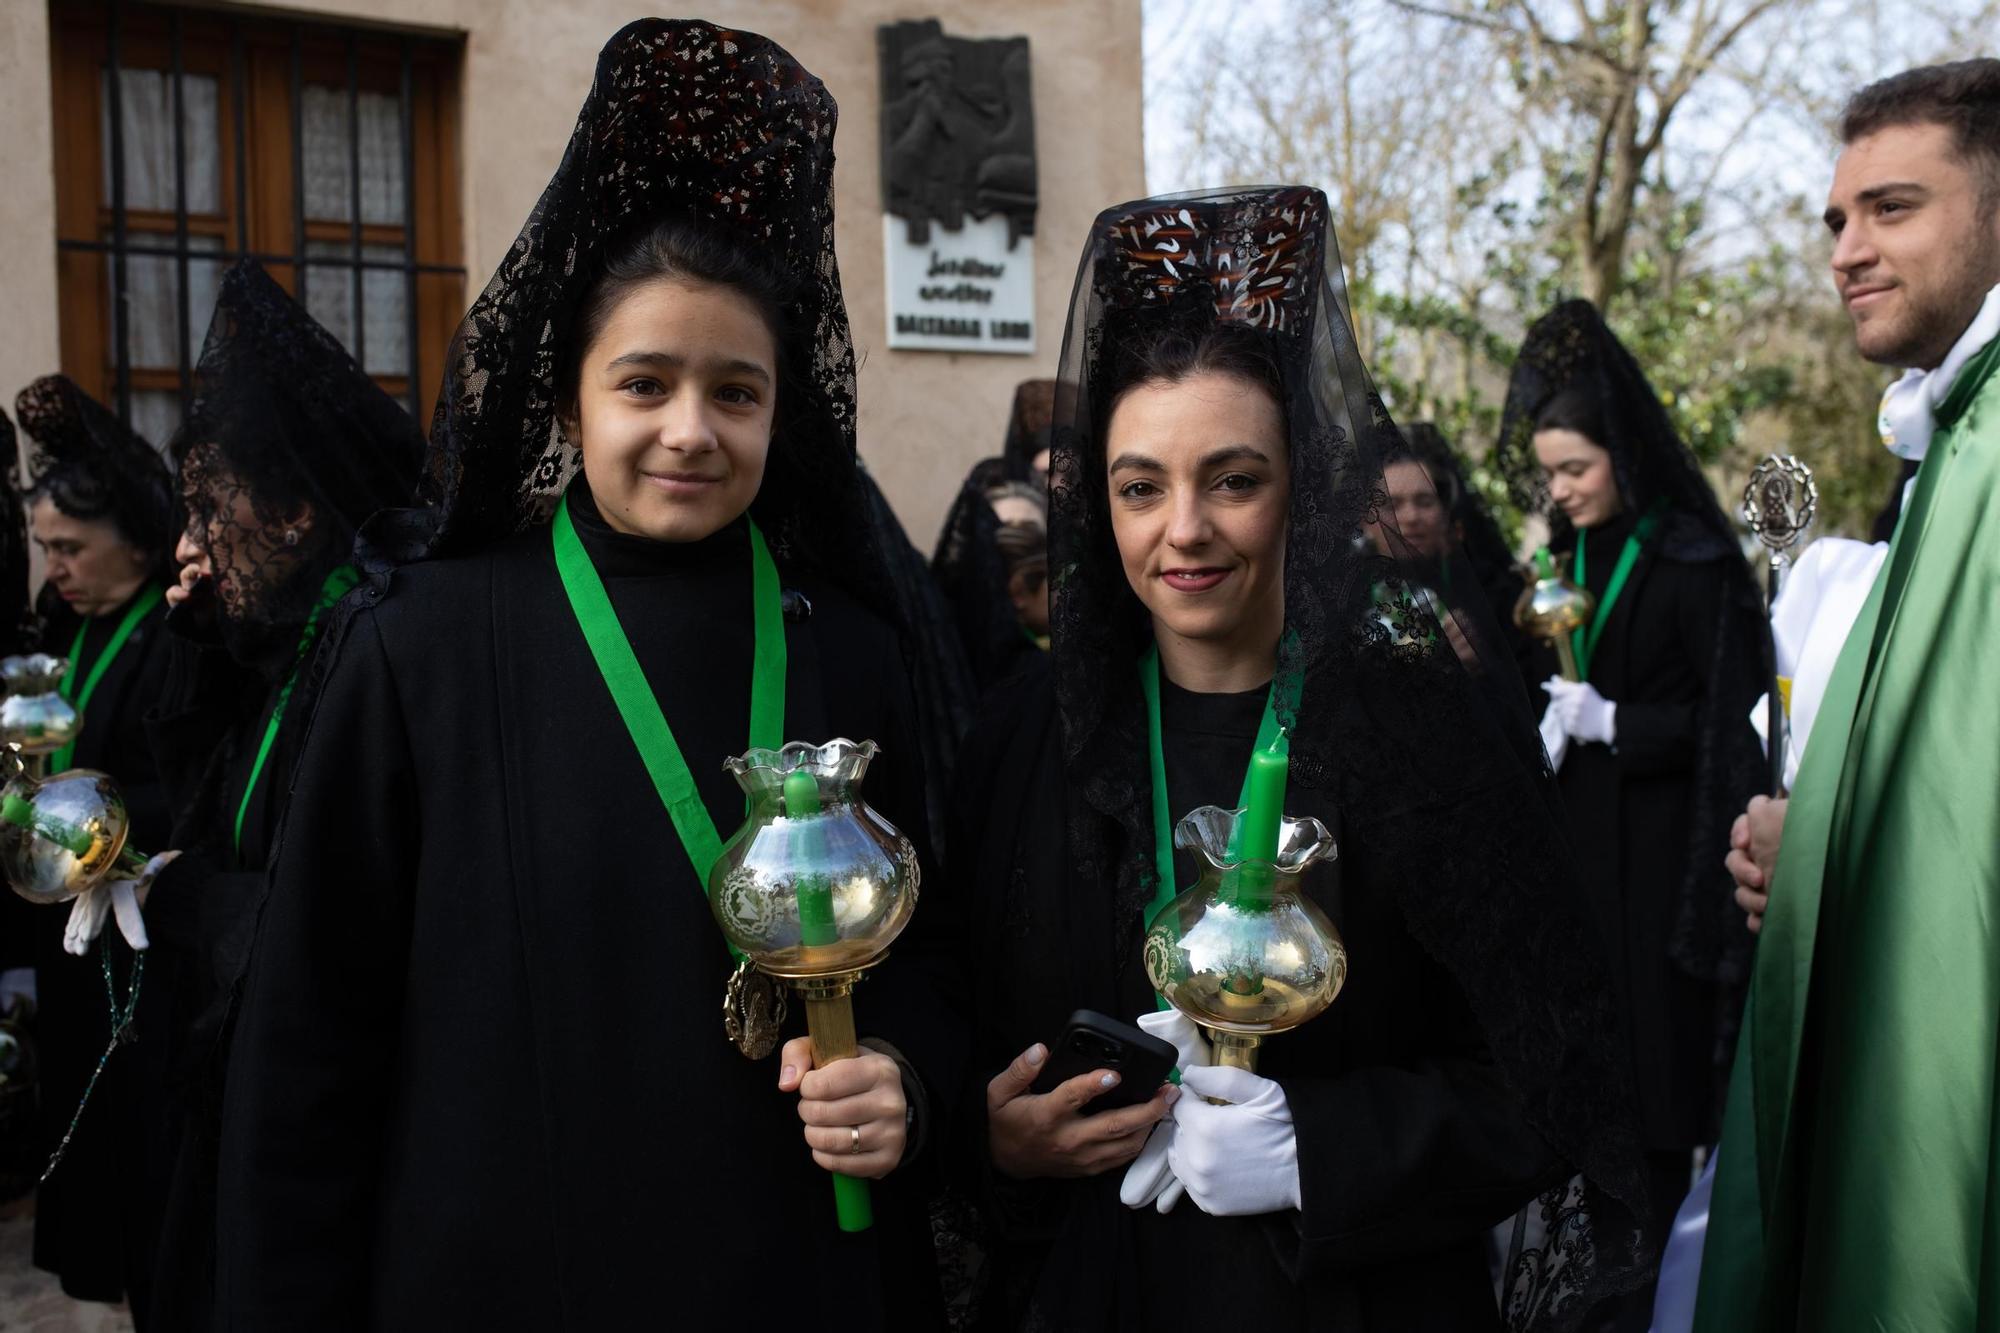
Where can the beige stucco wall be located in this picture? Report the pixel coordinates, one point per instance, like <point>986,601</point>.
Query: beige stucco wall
<point>925,416</point>
<point>27,200</point>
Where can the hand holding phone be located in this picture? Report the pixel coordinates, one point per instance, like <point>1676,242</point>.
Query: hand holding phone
<point>1075,1127</point>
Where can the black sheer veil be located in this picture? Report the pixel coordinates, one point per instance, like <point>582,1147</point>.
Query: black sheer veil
<point>1425,735</point>
<point>1572,350</point>
<point>92,465</point>
<point>283,415</point>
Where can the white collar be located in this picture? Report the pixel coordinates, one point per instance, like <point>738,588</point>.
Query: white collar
<point>1908,416</point>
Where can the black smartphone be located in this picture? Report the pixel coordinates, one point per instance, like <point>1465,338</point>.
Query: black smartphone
<point>1093,1041</point>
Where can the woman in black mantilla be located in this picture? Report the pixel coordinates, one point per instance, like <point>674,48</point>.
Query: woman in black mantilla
<point>101,507</point>
<point>289,447</point>
<point>1653,750</point>
<point>1216,465</point>
<point>1444,521</point>
<point>479,1076</point>
<point>969,564</point>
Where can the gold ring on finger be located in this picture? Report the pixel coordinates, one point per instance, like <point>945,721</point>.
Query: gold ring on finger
<point>854,1144</point>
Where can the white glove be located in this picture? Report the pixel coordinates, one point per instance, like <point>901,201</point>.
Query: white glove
<point>1150,1180</point>
<point>1237,1159</point>
<point>120,898</point>
<point>1584,713</point>
<point>1554,739</point>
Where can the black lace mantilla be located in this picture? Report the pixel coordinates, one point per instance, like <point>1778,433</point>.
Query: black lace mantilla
<point>95,466</point>
<point>284,424</point>
<point>685,119</point>
<point>1421,727</point>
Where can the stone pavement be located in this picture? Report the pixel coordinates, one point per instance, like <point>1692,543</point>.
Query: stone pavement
<point>30,1300</point>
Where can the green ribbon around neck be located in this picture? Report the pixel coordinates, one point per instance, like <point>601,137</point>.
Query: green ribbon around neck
<point>148,598</point>
<point>337,585</point>
<point>1584,641</point>
<point>1281,702</point>
<point>644,720</point>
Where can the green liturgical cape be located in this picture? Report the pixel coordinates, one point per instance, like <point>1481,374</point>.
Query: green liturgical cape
<point>1859,1182</point>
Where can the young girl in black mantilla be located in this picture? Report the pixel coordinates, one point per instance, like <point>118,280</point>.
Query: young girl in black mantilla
<point>480,1077</point>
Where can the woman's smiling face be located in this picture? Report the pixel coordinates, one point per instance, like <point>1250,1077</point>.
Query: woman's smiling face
<point>1200,498</point>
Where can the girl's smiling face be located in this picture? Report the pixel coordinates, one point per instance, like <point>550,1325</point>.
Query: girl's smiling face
<point>674,409</point>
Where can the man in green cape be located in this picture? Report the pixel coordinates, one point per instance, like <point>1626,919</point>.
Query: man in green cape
<point>1858,1185</point>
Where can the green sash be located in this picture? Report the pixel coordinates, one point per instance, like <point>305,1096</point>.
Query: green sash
<point>148,598</point>
<point>336,586</point>
<point>644,721</point>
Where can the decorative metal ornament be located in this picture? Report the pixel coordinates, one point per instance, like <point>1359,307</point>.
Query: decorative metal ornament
<point>1553,608</point>
<point>812,890</point>
<point>1244,953</point>
<point>753,1011</point>
<point>61,836</point>
<point>34,717</point>
<point>1779,503</point>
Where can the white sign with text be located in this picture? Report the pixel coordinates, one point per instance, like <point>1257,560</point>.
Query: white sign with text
<point>964,291</point>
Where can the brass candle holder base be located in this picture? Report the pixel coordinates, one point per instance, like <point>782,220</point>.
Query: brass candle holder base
<point>829,1002</point>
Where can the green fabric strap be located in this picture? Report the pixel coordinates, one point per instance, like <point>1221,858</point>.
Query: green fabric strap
<point>337,585</point>
<point>1585,640</point>
<point>626,680</point>
<point>148,598</point>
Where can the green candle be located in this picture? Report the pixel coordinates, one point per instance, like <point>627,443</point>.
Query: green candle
<point>1264,808</point>
<point>853,1206</point>
<point>815,894</point>
<point>1545,564</point>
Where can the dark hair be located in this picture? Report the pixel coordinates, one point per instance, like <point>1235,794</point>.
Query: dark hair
<point>79,491</point>
<point>1176,353</point>
<point>1422,443</point>
<point>1963,96</point>
<point>1573,409</point>
<point>677,248</point>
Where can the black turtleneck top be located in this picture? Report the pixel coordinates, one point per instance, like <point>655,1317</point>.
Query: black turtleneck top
<point>479,1073</point>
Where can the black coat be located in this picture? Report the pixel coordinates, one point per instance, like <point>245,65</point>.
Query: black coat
<point>478,1077</point>
<point>1630,808</point>
<point>91,1225</point>
<point>1410,1147</point>
<point>200,917</point>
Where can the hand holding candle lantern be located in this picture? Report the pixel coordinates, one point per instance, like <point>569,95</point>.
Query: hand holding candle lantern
<point>1553,608</point>
<point>813,889</point>
<point>1244,953</point>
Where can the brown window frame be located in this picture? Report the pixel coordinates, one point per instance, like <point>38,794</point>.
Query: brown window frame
<point>261,66</point>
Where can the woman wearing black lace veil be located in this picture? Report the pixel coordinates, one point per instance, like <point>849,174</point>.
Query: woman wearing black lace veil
<point>479,1076</point>
<point>1654,754</point>
<point>287,450</point>
<point>1216,466</point>
<point>101,506</point>
<point>968,563</point>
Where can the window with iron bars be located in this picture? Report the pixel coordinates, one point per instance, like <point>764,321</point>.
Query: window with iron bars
<point>189,138</point>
